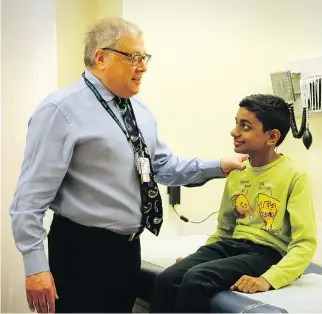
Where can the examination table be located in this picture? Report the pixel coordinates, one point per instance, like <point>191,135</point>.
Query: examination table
<point>302,296</point>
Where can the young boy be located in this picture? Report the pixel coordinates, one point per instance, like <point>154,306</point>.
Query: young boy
<point>266,234</point>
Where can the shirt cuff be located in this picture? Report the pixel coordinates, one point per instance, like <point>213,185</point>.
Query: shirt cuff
<point>275,279</point>
<point>35,262</point>
<point>211,169</point>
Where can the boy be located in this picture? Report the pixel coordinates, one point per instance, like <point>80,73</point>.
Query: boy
<point>266,233</point>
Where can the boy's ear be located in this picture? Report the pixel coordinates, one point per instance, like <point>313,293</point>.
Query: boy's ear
<point>274,136</point>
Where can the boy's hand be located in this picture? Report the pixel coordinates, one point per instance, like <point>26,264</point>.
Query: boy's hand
<point>250,284</point>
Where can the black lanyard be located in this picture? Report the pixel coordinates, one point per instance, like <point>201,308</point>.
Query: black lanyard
<point>106,107</point>
<point>112,114</point>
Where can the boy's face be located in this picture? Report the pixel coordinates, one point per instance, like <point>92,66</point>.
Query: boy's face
<point>248,133</point>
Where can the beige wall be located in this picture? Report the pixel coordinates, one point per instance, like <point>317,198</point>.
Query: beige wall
<point>41,50</point>
<point>28,73</point>
<point>73,18</point>
<point>208,55</point>
<point>107,8</point>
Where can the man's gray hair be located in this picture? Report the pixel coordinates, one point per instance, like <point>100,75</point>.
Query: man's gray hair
<point>106,33</point>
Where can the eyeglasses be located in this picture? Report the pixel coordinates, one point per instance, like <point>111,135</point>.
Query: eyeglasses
<point>135,59</point>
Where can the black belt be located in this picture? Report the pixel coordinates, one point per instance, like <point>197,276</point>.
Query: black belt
<point>135,235</point>
<point>66,221</point>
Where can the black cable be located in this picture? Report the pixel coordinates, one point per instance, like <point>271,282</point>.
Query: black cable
<point>297,133</point>
<point>185,219</point>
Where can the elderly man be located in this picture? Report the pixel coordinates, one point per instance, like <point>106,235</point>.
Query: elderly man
<point>94,157</point>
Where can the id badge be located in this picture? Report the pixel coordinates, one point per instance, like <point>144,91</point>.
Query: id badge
<point>145,169</point>
<point>137,163</point>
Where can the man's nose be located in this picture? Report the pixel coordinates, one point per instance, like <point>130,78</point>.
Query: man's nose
<point>142,66</point>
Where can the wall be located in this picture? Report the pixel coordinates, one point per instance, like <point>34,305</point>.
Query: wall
<point>208,55</point>
<point>106,8</point>
<point>28,73</point>
<point>73,18</point>
<point>42,48</point>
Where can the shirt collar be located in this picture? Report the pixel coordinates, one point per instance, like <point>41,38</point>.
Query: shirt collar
<point>105,92</point>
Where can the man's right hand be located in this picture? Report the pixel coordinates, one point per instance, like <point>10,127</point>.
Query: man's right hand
<point>41,292</point>
<point>230,163</point>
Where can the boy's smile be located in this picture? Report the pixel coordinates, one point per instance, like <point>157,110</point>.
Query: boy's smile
<point>250,138</point>
<point>248,133</point>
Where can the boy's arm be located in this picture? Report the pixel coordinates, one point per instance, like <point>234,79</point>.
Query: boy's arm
<point>301,249</point>
<point>226,219</point>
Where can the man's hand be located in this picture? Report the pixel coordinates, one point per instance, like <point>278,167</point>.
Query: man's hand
<point>249,284</point>
<point>41,292</point>
<point>230,163</point>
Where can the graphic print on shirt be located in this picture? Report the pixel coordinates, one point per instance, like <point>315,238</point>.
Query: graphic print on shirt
<point>240,202</point>
<point>267,208</point>
<point>242,206</point>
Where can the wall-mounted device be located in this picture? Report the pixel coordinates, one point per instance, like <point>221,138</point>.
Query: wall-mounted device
<point>285,84</point>
<point>174,195</point>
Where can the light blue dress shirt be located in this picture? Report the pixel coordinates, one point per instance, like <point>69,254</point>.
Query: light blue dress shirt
<point>79,163</point>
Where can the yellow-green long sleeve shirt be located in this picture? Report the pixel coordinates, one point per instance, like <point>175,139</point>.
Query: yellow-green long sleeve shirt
<point>271,205</point>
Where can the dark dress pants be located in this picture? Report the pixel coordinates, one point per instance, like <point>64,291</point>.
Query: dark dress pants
<point>95,270</point>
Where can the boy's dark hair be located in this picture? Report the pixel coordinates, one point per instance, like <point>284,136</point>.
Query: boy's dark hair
<point>272,111</point>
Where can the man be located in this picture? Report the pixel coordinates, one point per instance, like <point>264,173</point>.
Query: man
<point>93,156</point>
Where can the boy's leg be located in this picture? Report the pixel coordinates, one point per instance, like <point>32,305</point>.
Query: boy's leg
<point>202,281</point>
<point>169,281</point>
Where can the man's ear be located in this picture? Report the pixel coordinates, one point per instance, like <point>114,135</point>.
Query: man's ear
<point>100,56</point>
<point>274,136</point>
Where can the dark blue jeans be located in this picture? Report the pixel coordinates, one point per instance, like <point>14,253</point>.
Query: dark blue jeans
<point>187,286</point>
